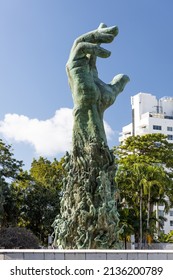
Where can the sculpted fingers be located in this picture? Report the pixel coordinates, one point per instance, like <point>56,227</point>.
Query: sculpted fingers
<point>118,83</point>
<point>101,35</point>
<point>87,47</point>
<point>84,49</point>
<point>108,30</point>
<point>95,37</point>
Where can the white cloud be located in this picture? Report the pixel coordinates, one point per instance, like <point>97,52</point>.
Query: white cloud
<point>109,131</point>
<point>49,137</point>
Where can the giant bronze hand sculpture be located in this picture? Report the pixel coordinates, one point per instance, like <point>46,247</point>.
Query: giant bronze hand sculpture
<point>88,215</point>
<point>91,96</point>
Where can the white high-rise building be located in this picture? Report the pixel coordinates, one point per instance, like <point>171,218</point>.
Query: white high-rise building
<point>151,115</point>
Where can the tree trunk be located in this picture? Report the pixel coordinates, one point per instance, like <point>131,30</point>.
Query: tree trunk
<point>140,234</point>
<point>149,210</point>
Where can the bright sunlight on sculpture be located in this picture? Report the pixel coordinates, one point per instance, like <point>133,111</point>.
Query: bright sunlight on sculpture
<point>88,216</point>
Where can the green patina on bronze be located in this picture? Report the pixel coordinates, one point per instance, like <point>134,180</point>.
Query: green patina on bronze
<point>89,218</point>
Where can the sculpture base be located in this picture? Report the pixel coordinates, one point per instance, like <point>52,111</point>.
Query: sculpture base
<point>88,217</point>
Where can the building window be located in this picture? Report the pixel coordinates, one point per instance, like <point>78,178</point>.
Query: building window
<point>169,128</point>
<point>170,137</point>
<point>171,212</point>
<point>161,213</point>
<point>157,127</point>
<point>171,223</point>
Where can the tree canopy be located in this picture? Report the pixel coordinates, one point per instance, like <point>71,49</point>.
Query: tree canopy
<point>9,171</point>
<point>144,178</point>
<point>30,198</point>
<point>37,195</point>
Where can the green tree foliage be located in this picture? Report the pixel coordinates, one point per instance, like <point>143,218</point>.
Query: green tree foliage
<point>166,238</point>
<point>144,178</point>
<point>37,195</point>
<point>9,170</point>
<point>29,198</point>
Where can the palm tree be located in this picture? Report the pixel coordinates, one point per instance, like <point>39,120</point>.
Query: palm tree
<point>142,185</point>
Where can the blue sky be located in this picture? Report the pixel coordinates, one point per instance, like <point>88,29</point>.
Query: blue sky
<point>35,41</point>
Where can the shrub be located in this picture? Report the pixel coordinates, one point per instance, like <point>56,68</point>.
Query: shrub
<point>18,238</point>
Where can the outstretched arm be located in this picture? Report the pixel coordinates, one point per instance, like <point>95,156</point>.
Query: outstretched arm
<point>82,72</point>
<point>91,96</point>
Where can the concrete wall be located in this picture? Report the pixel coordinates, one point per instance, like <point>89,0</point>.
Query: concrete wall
<point>85,255</point>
